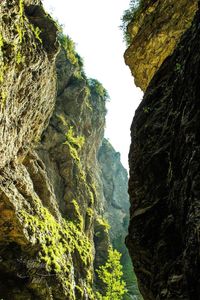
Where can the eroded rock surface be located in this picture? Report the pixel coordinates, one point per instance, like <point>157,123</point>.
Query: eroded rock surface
<point>27,77</point>
<point>48,188</point>
<point>164,183</point>
<point>155,32</point>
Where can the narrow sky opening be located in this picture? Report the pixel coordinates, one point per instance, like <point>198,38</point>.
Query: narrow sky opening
<point>94,27</point>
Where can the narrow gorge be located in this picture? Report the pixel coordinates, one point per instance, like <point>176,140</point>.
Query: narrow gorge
<point>64,205</point>
<point>64,199</point>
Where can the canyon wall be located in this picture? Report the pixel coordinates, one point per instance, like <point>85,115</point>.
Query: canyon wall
<point>163,237</point>
<point>55,191</point>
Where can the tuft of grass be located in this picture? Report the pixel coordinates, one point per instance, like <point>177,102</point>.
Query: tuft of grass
<point>97,88</point>
<point>130,15</point>
<point>69,46</point>
<point>74,140</point>
<point>104,223</point>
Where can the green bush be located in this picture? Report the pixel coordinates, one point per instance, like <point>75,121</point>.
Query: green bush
<point>97,88</point>
<point>129,15</point>
<point>111,275</point>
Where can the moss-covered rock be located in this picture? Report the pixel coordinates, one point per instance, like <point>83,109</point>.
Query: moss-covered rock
<point>48,188</point>
<point>27,77</point>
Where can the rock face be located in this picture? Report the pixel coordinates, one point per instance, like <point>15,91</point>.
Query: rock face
<point>115,185</point>
<point>114,179</point>
<point>164,182</point>
<point>49,188</point>
<point>155,31</point>
<point>27,76</point>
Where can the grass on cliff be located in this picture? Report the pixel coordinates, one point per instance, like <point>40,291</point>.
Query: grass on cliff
<point>97,88</point>
<point>58,243</point>
<point>94,86</point>
<point>129,15</point>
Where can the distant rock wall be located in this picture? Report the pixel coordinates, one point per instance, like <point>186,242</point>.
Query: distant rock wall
<point>164,182</point>
<point>114,180</point>
<point>115,183</point>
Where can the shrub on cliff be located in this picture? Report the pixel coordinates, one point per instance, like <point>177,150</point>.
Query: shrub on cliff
<point>129,15</point>
<point>111,275</point>
<point>97,88</point>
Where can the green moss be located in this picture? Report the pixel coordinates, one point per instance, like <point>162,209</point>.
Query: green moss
<point>146,109</point>
<point>74,140</point>
<point>104,223</point>
<point>21,29</point>
<point>90,212</point>
<point>36,30</point>
<point>75,143</point>
<point>79,292</point>
<point>18,57</point>
<point>21,8</point>
<point>87,99</point>
<point>178,67</point>
<point>56,241</point>
<point>62,119</point>
<point>78,219</point>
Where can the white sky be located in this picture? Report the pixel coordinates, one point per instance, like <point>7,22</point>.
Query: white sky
<point>94,27</point>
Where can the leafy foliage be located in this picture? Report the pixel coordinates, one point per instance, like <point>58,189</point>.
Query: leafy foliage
<point>70,50</point>
<point>128,273</point>
<point>103,222</point>
<point>111,275</point>
<point>128,16</point>
<point>68,44</point>
<point>97,88</point>
<point>75,140</point>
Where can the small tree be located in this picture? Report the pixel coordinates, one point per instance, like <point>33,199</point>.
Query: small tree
<point>111,275</point>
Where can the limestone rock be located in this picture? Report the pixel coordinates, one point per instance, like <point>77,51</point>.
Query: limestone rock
<point>48,191</point>
<point>115,186</point>
<point>27,77</point>
<point>155,32</point>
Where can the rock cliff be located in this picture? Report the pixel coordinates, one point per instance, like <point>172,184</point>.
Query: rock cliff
<point>154,32</point>
<point>49,180</point>
<point>58,181</point>
<point>164,182</point>
<point>114,178</point>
